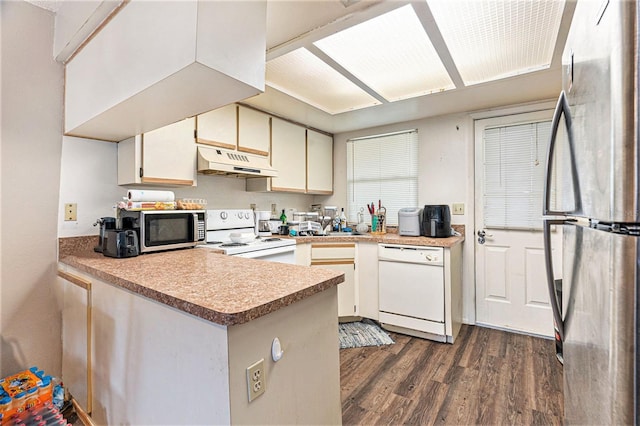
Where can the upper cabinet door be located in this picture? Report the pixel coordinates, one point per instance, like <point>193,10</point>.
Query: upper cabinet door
<point>319,163</point>
<point>218,127</point>
<point>288,156</point>
<point>254,131</point>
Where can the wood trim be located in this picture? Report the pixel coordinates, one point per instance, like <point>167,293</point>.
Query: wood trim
<point>74,279</point>
<point>100,27</point>
<point>319,192</point>
<point>86,285</point>
<point>215,143</point>
<point>82,415</point>
<point>333,245</point>
<point>184,182</point>
<point>280,189</point>
<point>332,262</point>
<point>253,151</point>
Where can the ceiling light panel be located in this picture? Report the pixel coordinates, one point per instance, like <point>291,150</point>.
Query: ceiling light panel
<point>490,40</point>
<point>304,76</point>
<point>391,54</point>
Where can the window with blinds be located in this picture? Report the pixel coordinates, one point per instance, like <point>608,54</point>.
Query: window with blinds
<point>514,167</point>
<point>385,168</point>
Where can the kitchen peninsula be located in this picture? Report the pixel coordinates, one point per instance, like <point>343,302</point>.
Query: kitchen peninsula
<point>172,335</point>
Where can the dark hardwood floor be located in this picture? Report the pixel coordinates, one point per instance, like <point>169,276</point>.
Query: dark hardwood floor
<point>486,377</point>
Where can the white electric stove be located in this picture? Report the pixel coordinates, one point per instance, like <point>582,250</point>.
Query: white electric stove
<point>221,223</point>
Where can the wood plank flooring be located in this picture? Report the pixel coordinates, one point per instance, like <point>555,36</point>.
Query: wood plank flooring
<point>486,377</point>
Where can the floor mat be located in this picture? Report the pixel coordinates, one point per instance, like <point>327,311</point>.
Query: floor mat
<point>362,333</point>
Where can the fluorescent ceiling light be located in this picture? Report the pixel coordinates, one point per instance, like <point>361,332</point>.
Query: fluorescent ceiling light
<point>304,76</point>
<point>391,54</point>
<point>490,40</point>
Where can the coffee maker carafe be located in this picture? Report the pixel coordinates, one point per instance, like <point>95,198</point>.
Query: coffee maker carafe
<point>106,223</point>
<point>262,223</point>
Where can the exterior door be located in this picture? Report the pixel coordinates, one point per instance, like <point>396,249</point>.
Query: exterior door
<point>511,289</point>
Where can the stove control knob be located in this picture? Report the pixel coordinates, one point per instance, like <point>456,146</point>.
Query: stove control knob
<point>240,215</point>
<point>247,215</point>
<point>223,215</point>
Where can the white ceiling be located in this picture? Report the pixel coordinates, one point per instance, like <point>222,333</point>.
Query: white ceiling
<point>292,25</point>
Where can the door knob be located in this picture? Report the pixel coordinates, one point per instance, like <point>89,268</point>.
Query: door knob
<point>481,236</point>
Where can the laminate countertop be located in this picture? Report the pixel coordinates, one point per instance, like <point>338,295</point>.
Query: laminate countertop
<point>226,290</point>
<point>388,238</point>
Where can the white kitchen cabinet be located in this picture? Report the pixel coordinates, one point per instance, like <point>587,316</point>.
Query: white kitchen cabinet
<point>254,131</point>
<point>155,63</point>
<point>303,254</point>
<point>367,262</point>
<point>76,337</point>
<point>218,127</point>
<point>288,158</point>
<point>165,156</point>
<point>319,163</point>
<point>340,257</point>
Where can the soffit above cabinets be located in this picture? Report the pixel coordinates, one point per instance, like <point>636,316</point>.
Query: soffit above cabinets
<point>392,51</point>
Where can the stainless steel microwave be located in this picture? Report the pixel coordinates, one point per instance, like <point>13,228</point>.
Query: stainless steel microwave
<point>165,229</point>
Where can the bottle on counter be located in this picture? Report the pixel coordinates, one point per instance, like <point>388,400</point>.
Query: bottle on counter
<point>343,220</point>
<point>283,218</point>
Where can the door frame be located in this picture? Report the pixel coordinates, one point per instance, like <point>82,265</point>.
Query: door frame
<point>470,234</point>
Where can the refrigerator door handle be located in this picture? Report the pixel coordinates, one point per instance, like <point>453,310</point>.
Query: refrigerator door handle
<point>562,108</point>
<point>553,295</point>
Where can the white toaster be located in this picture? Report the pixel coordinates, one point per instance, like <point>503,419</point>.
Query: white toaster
<point>409,221</point>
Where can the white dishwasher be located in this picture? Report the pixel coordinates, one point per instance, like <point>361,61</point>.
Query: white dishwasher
<point>412,290</point>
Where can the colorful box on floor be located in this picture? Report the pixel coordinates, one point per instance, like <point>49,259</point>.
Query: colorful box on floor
<point>23,391</point>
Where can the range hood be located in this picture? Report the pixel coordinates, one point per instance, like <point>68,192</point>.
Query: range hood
<point>220,161</point>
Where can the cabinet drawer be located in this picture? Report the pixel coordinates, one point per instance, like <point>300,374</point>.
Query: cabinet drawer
<point>333,251</point>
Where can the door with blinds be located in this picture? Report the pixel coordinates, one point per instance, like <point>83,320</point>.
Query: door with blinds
<point>510,158</point>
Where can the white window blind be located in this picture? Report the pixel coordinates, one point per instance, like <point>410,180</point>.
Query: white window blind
<point>514,167</point>
<point>385,168</point>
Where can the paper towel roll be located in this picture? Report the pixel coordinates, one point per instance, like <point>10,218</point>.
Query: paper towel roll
<point>147,195</point>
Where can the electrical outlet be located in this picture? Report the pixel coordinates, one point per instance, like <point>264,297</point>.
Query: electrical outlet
<point>256,380</point>
<point>70,212</point>
<point>458,208</point>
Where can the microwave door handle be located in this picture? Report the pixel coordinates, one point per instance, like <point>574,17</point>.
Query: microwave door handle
<point>194,227</point>
<point>553,295</point>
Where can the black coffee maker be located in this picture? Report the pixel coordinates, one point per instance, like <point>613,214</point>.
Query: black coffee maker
<point>436,221</point>
<point>106,223</point>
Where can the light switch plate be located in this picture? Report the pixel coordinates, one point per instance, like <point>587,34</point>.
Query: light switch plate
<point>458,208</point>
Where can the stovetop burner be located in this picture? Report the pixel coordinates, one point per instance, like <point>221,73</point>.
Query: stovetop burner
<point>214,242</point>
<point>233,244</point>
<point>266,240</point>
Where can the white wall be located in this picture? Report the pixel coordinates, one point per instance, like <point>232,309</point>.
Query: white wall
<point>89,179</point>
<point>445,168</point>
<point>31,133</point>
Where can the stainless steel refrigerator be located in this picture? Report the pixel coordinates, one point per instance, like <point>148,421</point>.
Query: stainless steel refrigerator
<point>591,196</point>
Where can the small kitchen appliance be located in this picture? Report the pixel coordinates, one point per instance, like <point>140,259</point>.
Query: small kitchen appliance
<point>165,229</point>
<point>263,227</point>
<point>409,221</point>
<point>436,221</point>
<point>120,243</point>
<point>222,223</point>
<point>106,223</point>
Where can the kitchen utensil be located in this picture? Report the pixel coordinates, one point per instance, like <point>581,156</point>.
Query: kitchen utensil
<point>263,227</point>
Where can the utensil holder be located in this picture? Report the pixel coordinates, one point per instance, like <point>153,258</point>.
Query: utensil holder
<point>378,224</point>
